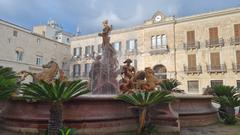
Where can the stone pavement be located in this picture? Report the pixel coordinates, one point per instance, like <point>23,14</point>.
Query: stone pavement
<point>216,129</point>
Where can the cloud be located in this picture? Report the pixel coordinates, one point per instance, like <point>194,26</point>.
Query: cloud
<point>89,14</point>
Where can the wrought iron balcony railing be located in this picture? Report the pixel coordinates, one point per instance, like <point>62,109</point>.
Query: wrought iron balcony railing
<point>193,69</point>
<point>77,58</point>
<point>236,67</point>
<point>222,68</point>
<point>189,46</point>
<point>159,49</point>
<point>215,43</point>
<point>235,41</point>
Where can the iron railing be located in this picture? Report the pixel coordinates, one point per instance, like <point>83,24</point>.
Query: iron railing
<point>215,43</point>
<point>217,68</point>
<point>236,67</point>
<point>193,69</point>
<point>235,41</point>
<point>189,46</point>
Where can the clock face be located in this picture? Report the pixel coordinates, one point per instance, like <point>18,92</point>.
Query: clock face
<point>158,18</point>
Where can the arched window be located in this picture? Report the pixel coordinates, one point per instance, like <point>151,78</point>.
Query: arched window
<point>164,40</point>
<point>160,71</point>
<point>19,54</point>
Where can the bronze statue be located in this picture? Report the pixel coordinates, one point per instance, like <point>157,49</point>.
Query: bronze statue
<point>105,33</point>
<point>49,72</point>
<point>141,80</point>
<point>103,72</point>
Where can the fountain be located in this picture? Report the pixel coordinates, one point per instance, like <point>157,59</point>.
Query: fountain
<point>103,73</point>
<point>100,113</point>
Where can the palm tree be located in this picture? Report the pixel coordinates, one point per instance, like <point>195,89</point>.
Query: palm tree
<point>144,100</point>
<point>8,82</point>
<point>56,93</point>
<point>170,85</point>
<point>228,97</point>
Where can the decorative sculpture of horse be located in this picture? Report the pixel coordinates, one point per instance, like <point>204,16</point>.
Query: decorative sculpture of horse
<point>143,80</point>
<point>49,72</point>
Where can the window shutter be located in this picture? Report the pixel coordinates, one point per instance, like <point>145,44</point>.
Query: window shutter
<point>237,30</point>
<point>238,57</point>
<point>74,51</point>
<point>120,46</point>
<point>190,37</point>
<point>128,46</point>
<point>92,49</point>
<point>215,60</point>
<point>80,51</point>
<point>135,44</point>
<point>213,34</point>
<point>192,62</point>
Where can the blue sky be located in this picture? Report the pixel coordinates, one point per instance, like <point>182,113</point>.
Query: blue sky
<point>88,14</point>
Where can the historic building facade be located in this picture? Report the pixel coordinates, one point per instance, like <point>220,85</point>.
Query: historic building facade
<point>200,50</point>
<point>22,49</point>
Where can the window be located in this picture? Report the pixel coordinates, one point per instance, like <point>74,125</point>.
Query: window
<point>38,41</point>
<point>213,35</point>
<point>131,45</point>
<point>216,83</point>
<point>100,48</point>
<point>68,40</point>
<point>77,51</point>
<point>238,84</point>
<point>153,41</point>
<point>237,30</point>
<point>117,46</point>
<point>87,50</point>
<point>190,38</point>
<point>76,70</point>
<point>135,64</point>
<point>15,33</point>
<point>39,60</point>
<point>192,62</point>
<point>159,41</point>
<point>43,33</point>
<point>238,57</point>
<point>19,55</point>
<point>193,86</point>
<point>87,69</point>
<point>215,61</point>
<point>164,40</point>
<point>92,49</point>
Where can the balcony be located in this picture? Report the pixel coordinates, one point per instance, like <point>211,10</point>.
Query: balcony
<point>159,49</point>
<point>193,70</point>
<point>217,68</point>
<point>77,58</point>
<point>236,67</point>
<point>235,41</point>
<point>215,43</point>
<point>191,46</point>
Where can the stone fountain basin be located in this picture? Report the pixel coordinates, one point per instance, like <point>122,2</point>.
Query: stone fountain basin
<point>104,114</point>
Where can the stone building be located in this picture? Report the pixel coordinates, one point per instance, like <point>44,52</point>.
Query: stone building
<point>200,50</point>
<point>53,31</point>
<point>22,49</point>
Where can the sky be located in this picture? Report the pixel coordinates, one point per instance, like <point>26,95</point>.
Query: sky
<point>88,14</point>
